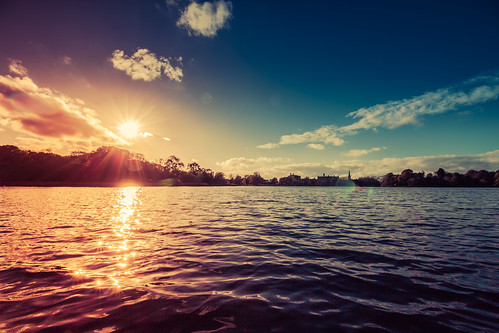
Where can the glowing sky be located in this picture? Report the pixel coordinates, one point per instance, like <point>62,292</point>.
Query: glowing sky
<point>270,86</point>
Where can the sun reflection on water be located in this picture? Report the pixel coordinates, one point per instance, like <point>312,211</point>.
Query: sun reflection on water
<point>115,247</point>
<point>126,221</point>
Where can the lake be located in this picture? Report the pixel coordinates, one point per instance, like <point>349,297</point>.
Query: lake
<point>255,259</point>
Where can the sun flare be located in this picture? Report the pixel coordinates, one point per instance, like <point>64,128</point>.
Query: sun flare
<point>129,130</point>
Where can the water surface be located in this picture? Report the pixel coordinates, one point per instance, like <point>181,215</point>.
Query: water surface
<point>249,259</point>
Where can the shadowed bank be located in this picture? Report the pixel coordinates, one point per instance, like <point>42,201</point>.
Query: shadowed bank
<point>110,166</point>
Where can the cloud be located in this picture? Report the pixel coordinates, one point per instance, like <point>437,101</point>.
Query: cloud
<point>15,67</point>
<point>172,3</point>
<point>166,139</point>
<point>273,167</point>
<point>269,146</point>
<point>145,134</point>
<point>394,114</point>
<point>206,19</point>
<point>316,146</point>
<point>145,65</point>
<point>279,167</point>
<point>66,60</point>
<point>49,117</point>
<point>362,152</point>
<point>452,163</point>
<point>311,170</point>
<point>325,134</point>
<point>409,111</point>
<point>242,165</point>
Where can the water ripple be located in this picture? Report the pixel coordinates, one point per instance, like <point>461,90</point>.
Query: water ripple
<point>250,259</point>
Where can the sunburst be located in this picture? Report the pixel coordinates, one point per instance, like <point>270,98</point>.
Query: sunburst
<point>129,129</point>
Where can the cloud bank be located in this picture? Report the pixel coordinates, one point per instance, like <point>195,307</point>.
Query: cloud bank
<point>394,114</point>
<point>453,163</point>
<point>242,165</point>
<point>206,19</point>
<point>277,167</point>
<point>145,65</point>
<point>48,117</point>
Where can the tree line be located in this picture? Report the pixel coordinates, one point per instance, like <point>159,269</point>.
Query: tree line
<point>441,178</point>
<point>110,166</point>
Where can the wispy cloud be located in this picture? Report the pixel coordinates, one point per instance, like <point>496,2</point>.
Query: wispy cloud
<point>409,111</point>
<point>49,116</point>
<point>325,134</point>
<point>316,146</point>
<point>16,67</point>
<point>362,152</point>
<point>66,60</point>
<point>171,3</point>
<point>145,65</point>
<point>394,114</point>
<point>269,146</point>
<point>206,19</point>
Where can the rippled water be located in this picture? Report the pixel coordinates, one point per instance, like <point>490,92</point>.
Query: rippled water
<point>249,259</point>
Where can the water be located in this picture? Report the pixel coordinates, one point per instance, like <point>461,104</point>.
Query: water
<point>249,259</point>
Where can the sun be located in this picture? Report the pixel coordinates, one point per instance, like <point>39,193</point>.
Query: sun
<point>129,130</point>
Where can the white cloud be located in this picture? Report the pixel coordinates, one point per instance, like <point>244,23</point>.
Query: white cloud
<point>268,146</point>
<point>316,146</point>
<point>280,167</point>
<point>145,65</point>
<point>145,134</point>
<point>311,170</point>
<point>205,19</point>
<point>362,152</point>
<point>325,134</point>
<point>166,139</point>
<point>408,111</point>
<point>242,165</point>
<point>273,167</point>
<point>16,67</point>
<point>394,114</point>
<point>49,117</point>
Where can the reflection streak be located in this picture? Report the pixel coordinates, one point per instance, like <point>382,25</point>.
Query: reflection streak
<point>115,248</point>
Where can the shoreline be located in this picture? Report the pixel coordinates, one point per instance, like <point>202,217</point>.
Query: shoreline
<point>169,183</point>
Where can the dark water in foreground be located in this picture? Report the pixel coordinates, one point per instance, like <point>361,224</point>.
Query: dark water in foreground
<point>249,259</point>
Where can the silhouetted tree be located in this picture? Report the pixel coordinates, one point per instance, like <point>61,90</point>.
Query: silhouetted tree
<point>367,182</point>
<point>173,166</point>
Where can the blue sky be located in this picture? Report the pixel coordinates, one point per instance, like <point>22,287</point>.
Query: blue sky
<point>268,86</point>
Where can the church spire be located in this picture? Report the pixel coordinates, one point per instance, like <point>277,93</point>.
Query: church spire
<point>349,178</point>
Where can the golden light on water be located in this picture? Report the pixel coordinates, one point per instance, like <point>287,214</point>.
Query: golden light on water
<point>117,245</point>
<point>126,221</point>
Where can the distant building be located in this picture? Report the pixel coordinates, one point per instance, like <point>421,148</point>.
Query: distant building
<point>327,180</point>
<point>292,179</point>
